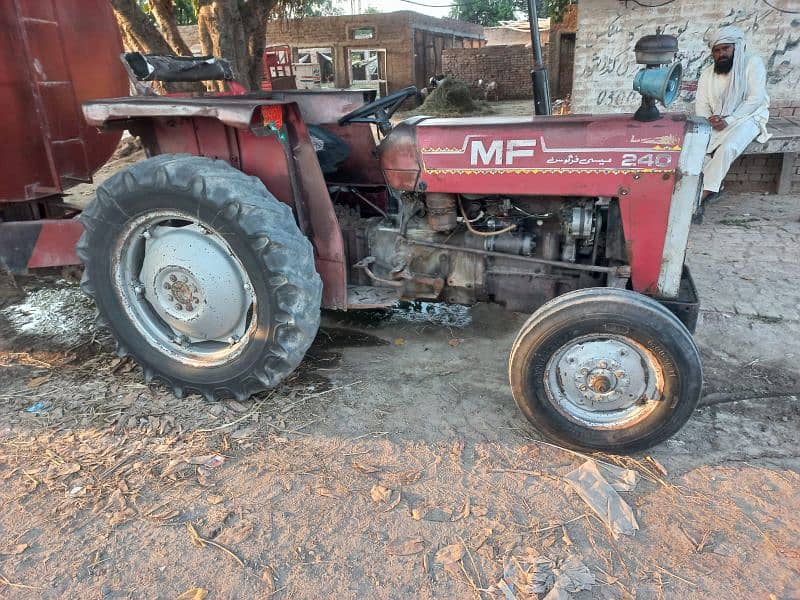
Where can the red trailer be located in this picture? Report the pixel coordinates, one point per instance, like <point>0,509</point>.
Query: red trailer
<point>50,65</point>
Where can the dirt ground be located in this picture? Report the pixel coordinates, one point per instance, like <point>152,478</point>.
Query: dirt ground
<point>394,463</point>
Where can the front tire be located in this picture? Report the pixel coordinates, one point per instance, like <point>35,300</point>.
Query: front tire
<point>605,369</point>
<point>201,275</point>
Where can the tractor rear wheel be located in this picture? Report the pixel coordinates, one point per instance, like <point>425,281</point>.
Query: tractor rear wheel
<point>605,369</point>
<point>201,275</point>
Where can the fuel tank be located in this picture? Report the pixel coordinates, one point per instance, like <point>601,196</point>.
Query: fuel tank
<point>582,155</point>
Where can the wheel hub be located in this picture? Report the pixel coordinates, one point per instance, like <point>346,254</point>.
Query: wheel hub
<point>192,281</point>
<point>602,380</point>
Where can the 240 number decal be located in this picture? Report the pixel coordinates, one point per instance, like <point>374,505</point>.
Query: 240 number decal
<point>647,160</point>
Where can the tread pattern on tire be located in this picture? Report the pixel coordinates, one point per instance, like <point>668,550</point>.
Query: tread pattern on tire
<point>572,301</point>
<point>271,232</point>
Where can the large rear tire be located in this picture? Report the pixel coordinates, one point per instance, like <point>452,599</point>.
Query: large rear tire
<point>201,275</point>
<point>605,369</point>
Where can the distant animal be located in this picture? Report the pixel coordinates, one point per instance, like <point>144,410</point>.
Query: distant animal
<point>489,89</point>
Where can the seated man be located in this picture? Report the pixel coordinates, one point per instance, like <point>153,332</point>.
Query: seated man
<point>732,95</point>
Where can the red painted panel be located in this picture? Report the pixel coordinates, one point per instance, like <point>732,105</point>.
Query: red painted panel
<point>265,158</point>
<point>56,54</point>
<point>25,162</point>
<point>55,246</point>
<point>612,156</point>
<point>326,235</point>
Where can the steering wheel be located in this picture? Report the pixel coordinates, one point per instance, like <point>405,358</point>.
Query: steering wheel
<point>379,111</point>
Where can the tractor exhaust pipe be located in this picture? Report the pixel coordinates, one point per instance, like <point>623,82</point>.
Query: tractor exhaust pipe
<point>541,83</point>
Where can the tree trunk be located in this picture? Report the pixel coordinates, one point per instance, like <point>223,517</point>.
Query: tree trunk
<point>164,12</point>
<point>140,35</point>
<point>138,32</point>
<point>236,30</point>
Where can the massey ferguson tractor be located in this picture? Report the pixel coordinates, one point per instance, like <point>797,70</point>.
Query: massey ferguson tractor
<point>210,261</point>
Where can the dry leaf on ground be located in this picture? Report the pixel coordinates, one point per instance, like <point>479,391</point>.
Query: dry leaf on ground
<point>449,554</point>
<point>37,381</point>
<point>13,550</point>
<point>380,493</point>
<point>193,594</point>
<point>365,468</point>
<point>405,547</point>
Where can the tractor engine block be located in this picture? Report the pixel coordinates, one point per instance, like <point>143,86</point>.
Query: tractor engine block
<point>462,249</point>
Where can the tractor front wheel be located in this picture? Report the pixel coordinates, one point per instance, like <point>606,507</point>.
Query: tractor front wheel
<point>201,275</point>
<point>605,369</point>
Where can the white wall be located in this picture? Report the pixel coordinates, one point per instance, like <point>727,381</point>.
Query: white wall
<point>607,32</point>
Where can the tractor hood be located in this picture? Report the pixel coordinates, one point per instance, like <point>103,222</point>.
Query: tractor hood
<point>569,156</point>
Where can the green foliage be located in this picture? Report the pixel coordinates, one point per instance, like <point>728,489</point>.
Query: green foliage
<point>295,9</point>
<point>186,12</point>
<point>490,12</point>
<point>484,12</point>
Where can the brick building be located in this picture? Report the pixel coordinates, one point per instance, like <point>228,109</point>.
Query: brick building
<point>509,66</point>
<point>389,51</point>
<point>507,57</point>
<point>605,64</point>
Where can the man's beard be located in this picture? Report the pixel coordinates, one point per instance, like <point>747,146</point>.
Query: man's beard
<point>723,65</point>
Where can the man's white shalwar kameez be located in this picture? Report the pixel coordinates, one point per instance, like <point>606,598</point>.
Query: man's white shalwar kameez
<point>740,97</point>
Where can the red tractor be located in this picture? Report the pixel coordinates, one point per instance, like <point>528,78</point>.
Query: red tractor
<point>210,261</point>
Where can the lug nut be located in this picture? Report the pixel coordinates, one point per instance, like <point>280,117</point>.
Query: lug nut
<point>167,286</point>
<point>179,307</point>
<point>622,353</point>
<point>195,300</point>
<point>583,388</point>
<point>170,298</point>
<point>173,278</point>
<point>189,307</point>
<point>584,371</point>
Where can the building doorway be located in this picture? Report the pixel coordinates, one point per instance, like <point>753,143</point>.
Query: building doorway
<point>368,69</point>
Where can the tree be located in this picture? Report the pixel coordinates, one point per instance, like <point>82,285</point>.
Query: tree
<point>489,13</point>
<point>484,12</point>
<point>231,29</point>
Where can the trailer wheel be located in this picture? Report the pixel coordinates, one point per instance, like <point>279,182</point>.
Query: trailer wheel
<point>605,369</point>
<point>201,275</point>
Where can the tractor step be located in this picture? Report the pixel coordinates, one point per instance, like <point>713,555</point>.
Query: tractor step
<point>367,296</point>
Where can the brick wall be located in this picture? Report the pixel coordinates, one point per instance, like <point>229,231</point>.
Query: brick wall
<point>605,63</point>
<point>509,66</point>
<point>394,32</point>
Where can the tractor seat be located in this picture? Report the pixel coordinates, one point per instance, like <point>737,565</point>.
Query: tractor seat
<point>331,150</point>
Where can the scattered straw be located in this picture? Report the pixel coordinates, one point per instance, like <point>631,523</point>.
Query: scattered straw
<point>201,542</point>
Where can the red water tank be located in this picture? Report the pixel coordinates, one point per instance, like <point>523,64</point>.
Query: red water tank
<point>55,54</point>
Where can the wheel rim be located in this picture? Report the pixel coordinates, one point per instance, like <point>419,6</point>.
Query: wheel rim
<point>184,289</point>
<point>604,381</point>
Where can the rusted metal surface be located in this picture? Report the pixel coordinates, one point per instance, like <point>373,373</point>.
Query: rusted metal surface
<point>28,245</point>
<point>237,111</point>
<point>617,271</point>
<point>612,156</point>
<point>46,72</point>
<point>326,235</point>
<point>234,111</point>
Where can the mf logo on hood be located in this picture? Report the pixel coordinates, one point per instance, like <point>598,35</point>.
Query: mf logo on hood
<point>499,152</point>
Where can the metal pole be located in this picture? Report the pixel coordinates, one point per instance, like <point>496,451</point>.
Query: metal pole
<point>541,85</point>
